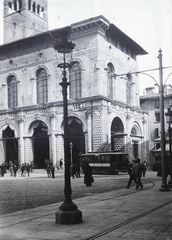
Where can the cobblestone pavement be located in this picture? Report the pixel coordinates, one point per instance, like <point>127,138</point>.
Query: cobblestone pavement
<point>21,193</point>
<point>118,214</point>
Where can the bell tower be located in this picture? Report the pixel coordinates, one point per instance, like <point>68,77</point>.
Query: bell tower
<point>24,18</point>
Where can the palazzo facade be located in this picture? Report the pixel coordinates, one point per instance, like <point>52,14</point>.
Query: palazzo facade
<point>103,108</point>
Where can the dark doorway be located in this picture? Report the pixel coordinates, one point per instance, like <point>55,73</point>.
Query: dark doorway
<point>10,144</point>
<point>41,145</point>
<point>76,137</point>
<point>135,149</point>
<point>117,135</point>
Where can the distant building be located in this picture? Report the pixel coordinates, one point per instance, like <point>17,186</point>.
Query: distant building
<point>150,104</point>
<point>104,110</point>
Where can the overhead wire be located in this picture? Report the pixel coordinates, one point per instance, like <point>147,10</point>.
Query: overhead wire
<point>167,8</point>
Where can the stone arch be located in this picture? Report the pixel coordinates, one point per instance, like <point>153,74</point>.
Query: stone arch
<point>13,126</point>
<point>136,129</point>
<point>75,60</point>
<point>84,123</point>
<point>27,129</point>
<point>9,144</point>
<point>136,140</point>
<point>12,74</point>
<point>117,135</point>
<point>41,66</point>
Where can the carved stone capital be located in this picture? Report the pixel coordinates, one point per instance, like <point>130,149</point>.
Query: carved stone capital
<point>88,113</point>
<point>52,115</point>
<point>20,119</point>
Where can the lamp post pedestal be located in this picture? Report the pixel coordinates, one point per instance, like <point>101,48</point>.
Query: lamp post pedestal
<point>68,213</point>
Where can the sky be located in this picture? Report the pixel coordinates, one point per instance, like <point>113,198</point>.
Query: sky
<point>147,22</point>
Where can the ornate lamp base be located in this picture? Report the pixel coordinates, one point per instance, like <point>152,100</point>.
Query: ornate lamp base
<point>68,217</point>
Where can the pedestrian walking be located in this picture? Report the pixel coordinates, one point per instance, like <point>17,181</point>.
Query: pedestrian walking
<point>72,171</point>
<point>48,169</point>
<point>137,173</point>
<point>28,169</point>
<point>31,166</point>
<point>57,166</point>
<point>52,168</point>
<point>77,171</point>
<point>88,178</point>
<point>131,176</point>
<point>11,168</point>
<point>15,169</point>
<point>22,169</point>
<point>144,166</point>
<point>61,163</point>
<point>3,169</point>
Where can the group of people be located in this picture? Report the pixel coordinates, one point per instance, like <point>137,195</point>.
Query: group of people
<point>136,172</point>
<point>75,171</point>
<point>25,169</point>
<point>50,170</point>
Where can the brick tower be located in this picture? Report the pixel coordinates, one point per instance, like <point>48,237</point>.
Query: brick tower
<point>24,18</point>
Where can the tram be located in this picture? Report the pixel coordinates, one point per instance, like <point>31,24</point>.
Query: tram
<point>106,162</point>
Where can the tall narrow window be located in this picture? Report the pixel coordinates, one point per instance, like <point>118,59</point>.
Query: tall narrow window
<point>157,117</point>
<point>156,103</point>
<point>129,89</point>
<point>109,81</point>
<point>75,81</point>
<point>12,92</point>
<point>42,89</point>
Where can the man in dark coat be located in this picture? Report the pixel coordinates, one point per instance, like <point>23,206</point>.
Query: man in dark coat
<point>15,169</point>
<point>52,168</point>
<point>131,177</point>
<point>3,169</point>
<point>137,173</point>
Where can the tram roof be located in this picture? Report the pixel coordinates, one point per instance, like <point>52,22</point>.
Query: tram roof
<point>103,153</point>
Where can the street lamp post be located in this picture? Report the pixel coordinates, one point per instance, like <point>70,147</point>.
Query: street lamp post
<point>68,212</point>
<point>169,121</point>
<point>164,186</point>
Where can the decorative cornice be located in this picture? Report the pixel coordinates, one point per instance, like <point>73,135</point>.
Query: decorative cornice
<point>90,25</point>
